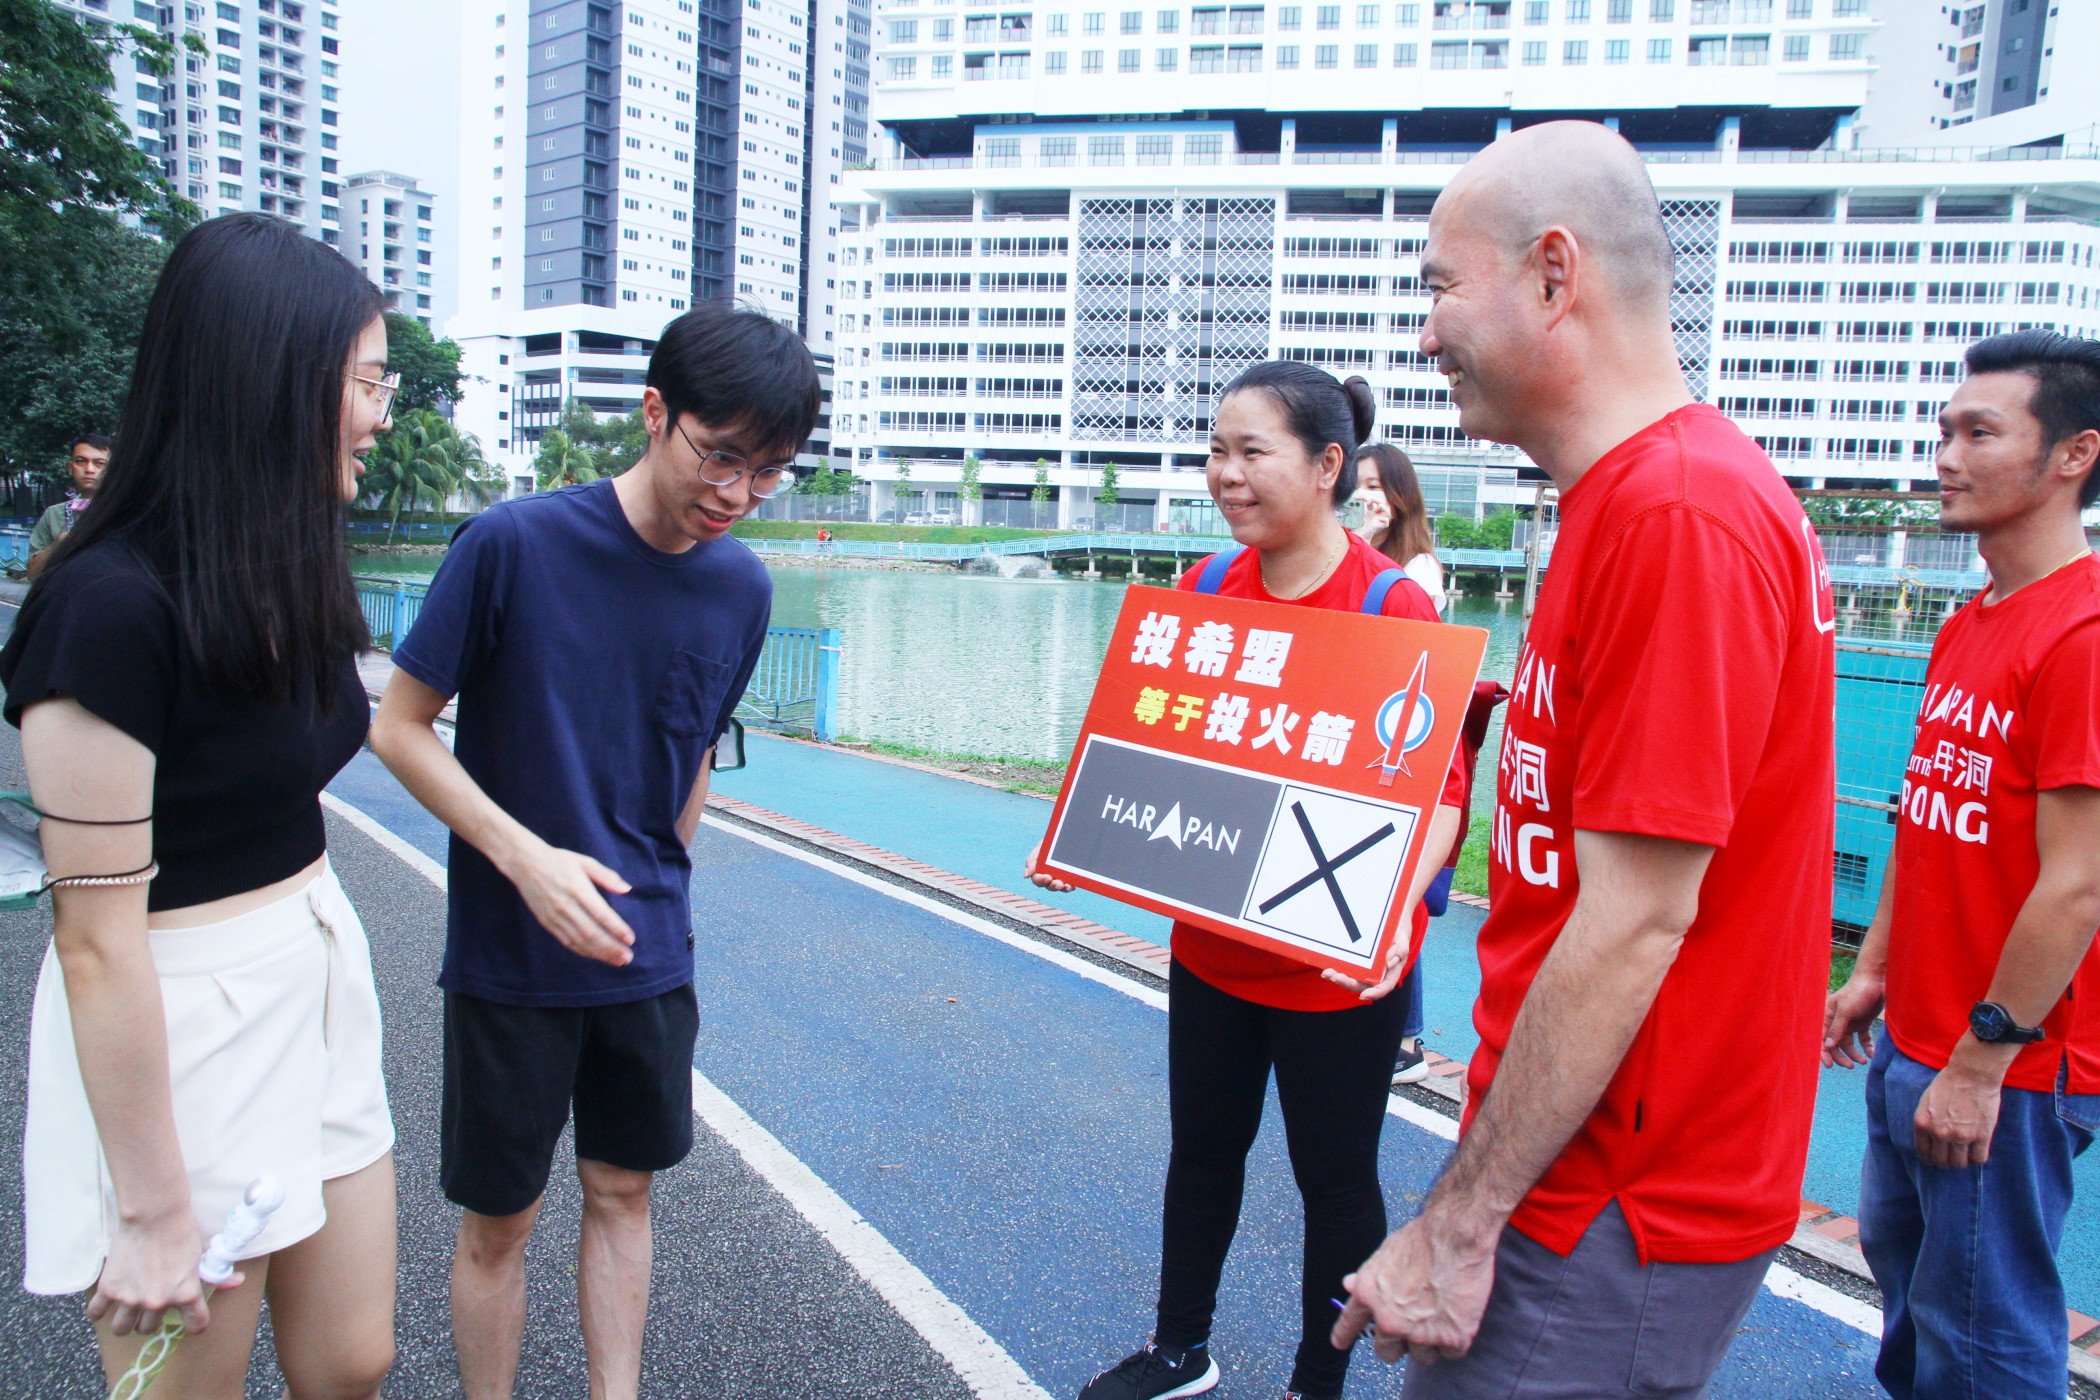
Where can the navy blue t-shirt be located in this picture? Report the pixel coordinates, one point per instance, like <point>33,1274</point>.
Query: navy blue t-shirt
<point>593,674</point>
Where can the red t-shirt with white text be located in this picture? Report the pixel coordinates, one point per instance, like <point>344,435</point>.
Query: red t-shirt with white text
<point>2011,710</point>
<point>1255,974</point>
<point>1676,681</point>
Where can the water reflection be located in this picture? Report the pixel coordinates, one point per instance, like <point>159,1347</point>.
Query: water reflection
<point>967,664</point>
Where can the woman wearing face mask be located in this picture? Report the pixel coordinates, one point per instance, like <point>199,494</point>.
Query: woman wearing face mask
<point>1396,524</point>
<point>1396,521</point>
<point>1281,465</point>
<point>184,676</point>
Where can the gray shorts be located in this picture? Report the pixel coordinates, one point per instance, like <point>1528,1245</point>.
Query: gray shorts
<point>1597,1323</point>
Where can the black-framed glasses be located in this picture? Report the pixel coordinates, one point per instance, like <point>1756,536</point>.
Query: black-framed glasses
<point>719,468</point>
<point>383,388</point>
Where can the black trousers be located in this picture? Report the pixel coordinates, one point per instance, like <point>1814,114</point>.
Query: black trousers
<point>1333,1070</point>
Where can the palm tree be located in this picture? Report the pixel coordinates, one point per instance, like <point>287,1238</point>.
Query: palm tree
<point>563,462</point>
<point>423,460</point>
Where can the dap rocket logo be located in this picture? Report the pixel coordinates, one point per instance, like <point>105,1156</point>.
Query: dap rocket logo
<point>1404,723</point>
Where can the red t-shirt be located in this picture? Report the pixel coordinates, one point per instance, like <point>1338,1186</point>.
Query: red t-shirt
<point>1677,681</point>
<point>2011,709</point>
<point>1254,974</point>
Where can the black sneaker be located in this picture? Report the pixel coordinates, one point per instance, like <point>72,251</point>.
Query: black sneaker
<point>1149,1375</point>
<point>1308,1395</point>
<point>1409,1067</point>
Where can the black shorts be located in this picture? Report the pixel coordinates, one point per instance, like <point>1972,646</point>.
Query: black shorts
<point>512,1073</point>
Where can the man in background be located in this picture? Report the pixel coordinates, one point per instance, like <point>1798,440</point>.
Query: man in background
<point>86,460</point>
<point>1986,1085</point>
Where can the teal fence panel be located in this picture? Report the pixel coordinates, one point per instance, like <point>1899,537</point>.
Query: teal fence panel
<point>1878,690</point>
<point>796,681</point>
<point>390,607</point>
<point>14,550</point>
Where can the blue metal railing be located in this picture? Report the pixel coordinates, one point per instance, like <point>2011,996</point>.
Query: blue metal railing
<point>797,676</point>
<point>14,548</point>
<point>390,607</point>
<point>796,681</point>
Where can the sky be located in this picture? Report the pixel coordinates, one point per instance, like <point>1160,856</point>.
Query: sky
<point>401,112</point>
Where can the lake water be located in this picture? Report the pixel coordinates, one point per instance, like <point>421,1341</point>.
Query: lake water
<point>971,664</point>
<point>962,663</point>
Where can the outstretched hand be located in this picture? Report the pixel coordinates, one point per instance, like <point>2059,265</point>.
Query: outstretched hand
<point>1033,870</point>
<point>562,890</point>
<point>1425,1295</point>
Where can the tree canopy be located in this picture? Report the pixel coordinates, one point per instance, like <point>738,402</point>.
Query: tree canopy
<point>77,275</point>
<point>429,367</point>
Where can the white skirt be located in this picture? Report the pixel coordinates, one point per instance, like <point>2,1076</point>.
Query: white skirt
<point>273,1058</point>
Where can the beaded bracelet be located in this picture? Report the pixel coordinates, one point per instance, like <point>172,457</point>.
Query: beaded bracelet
<point>143,875</point>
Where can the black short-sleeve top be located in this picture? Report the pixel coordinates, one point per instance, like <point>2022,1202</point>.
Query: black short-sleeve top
<point>237,781</point>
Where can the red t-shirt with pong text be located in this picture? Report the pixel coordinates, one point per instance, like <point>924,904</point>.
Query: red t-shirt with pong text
<point>2011,710</point>
<point>1255,974</point>
<point>1676,681</point>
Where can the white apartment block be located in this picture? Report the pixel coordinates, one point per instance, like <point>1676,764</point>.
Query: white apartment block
<point>389,231</point>
<point>628,158</point>
<point>1982,73</point>
<point>249,123</point>
<point>1042,267</point>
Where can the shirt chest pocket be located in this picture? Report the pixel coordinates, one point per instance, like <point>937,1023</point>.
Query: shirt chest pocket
<point>689,697</point>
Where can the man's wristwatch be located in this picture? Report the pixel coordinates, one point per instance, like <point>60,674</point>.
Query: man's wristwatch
<point>1994,1025</point>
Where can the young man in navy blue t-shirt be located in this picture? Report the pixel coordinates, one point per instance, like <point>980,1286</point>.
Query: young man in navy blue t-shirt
<point>598,638</point>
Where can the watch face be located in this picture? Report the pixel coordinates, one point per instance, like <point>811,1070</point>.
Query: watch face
<point>1989,1022</point>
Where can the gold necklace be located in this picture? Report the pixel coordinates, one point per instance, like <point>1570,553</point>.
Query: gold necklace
<point>1318,578</point>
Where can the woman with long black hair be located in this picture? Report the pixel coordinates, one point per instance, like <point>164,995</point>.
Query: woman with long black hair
<point>184,676</point>
<point>1282,463</point>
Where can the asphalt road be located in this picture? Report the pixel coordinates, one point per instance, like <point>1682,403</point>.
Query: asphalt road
<point>749,1301</point>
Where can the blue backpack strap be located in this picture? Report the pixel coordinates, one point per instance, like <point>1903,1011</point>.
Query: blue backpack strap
<point>1213,576</point>
<point>1374,596</point>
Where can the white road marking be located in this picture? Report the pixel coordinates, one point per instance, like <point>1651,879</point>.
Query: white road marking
<point>1785,1282</point>
<point>975,1356</point>
<point>408,855</point>
<point>981,1362</point>
<point>1824,1299</point>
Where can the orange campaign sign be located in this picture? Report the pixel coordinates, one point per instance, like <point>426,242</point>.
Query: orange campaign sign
<point>1264,771</point>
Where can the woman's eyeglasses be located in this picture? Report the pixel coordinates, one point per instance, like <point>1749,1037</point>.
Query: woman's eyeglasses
<point>383,389</point>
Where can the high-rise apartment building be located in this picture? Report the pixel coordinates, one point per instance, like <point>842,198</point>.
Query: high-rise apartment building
<point>1982,72</point>
<point>390,232</point>
<point>1082,221</point>
<point>627,158</point>
<point>251,122</point>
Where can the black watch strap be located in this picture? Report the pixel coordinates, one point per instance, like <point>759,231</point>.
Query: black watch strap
<point>1994,1025</point>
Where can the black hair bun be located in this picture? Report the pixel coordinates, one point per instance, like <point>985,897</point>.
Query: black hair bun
<point>1363,405</point>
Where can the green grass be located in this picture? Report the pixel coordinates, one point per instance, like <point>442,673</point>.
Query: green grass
<point>1841,960</point>
<point>909,534</point>
<point>1028,775</point>
<point>1472,876</point>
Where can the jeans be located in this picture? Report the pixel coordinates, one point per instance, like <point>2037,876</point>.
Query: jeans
<point>1411,989</point>
<point>1332,1073</point>
<point>1972,1306</point>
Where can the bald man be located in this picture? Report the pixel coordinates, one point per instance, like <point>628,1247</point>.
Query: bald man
<point>1653,971</point>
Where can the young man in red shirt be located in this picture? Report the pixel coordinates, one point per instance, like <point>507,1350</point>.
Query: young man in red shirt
<point>1653,971</point>
<point>1987,1084</point>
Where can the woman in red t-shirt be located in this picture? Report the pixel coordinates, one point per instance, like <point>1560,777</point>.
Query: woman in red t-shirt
<point>1281,465</point>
